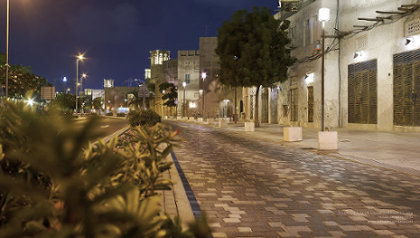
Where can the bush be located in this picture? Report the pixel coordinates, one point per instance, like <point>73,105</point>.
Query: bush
<point>145,117</point>
<point>61,185</point>
<point>120,114</point>
<point>109,114</point>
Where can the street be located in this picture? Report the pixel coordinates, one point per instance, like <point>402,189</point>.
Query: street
<point>107,125</point>
<point>250,188</point>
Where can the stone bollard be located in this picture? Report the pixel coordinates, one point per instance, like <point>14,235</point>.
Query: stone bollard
<point>291,134</point>
<point>249,126</point>
<point>327,140</point>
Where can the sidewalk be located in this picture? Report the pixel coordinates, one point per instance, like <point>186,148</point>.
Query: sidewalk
<point>398,151</point>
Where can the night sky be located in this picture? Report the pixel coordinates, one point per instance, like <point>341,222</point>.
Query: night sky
<point>116,35</point>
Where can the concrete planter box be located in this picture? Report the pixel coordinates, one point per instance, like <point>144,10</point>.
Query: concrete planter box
<point>222,123</point>
<point>327,140</point>
<point>200,120</point>
<point>191,119</point>
<point>292,134</point>
<point>249,126</point>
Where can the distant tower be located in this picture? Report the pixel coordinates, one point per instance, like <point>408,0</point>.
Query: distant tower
<point>108,83</point>
<point>147,74</point>
<point>157,57</point>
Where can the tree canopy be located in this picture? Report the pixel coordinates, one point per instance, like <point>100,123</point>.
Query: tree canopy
<point>253,52</point>
<point>170,95</point>
<point>252,48</point>
<point>21,79</point>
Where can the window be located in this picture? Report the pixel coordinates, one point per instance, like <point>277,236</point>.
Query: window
<point>187,78</point>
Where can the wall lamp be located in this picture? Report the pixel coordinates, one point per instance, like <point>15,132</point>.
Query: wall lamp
<point>409,40</point>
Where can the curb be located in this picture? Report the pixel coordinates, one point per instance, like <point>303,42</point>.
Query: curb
<point>176,202</point>
<point>117,133</point>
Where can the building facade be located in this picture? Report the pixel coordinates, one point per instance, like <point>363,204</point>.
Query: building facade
<point>189,82</point>
<point>372,62</point>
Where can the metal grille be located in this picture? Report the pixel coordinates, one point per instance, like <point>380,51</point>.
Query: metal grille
<point>311,104</point>
<point>294,104</point>
<point>362,96</point>
<point>412,27</point>
<point>407,88</point>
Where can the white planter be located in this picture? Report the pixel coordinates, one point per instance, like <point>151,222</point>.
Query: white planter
<point>327,140</point>
<point>166,117</point>
<point>222,123</point>
<point>249,126</point>
<point>191,119</point>
<point>200,120</point>
<point>292,134</point>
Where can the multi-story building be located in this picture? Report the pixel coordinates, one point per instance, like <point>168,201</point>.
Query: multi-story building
<point>95,93</point>
<point>189,82</point>
<point>372,65</point>
<point>157,58</point>
<point>218,99</point>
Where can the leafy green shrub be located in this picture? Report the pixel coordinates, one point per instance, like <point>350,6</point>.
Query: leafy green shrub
<point>144,117</point>
<point>121,114</point>
<point>61,185</point>
<point>109,114</point>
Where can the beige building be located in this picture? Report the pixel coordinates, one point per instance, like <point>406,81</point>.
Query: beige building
<point>188,82</point>
<point>157,58</point>
<point>371,60</point>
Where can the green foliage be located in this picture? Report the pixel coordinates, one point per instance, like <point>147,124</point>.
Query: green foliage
<point>21,79</point>
<point>120,114</point>
<point>253,49</point>
<point>97,103</point>
<point>143,117</point>
<point>171,94</point>
<point>152,88</point>
<point>110,114</point>
<point>65,101</point>
<point>61,185</point>
<point>253,52</point>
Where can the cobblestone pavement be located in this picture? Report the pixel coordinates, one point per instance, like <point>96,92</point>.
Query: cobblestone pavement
<point>253,189</point>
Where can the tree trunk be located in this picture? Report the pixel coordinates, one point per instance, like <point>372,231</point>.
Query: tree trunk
<point>256,113</point>
<point>235,116</point>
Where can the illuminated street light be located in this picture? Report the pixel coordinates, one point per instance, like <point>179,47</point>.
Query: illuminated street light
<point>84,76</point>
<point>7,45</point>
<point>203,76</point>
<point>323,16</point>
<point>79,58</point>
<point>184,85</point>
<point>30,102</point>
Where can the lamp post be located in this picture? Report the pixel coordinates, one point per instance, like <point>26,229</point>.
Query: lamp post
<point>184,84</point>
<point>84,76</point>
<point>203,76</point>
<point>323,17</point>
<point>7,46</point>
<point>79,58</point>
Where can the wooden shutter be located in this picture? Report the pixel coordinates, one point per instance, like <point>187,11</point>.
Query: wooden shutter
<point>407,88</point>
<point>362,92</point>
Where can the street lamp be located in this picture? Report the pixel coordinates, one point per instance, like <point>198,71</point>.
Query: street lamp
<point>184,84</point>
<point>323,17</point>
<point>7,46</point>
<point>84,76</point>
<point>203,76</point>
<point>79,58</point>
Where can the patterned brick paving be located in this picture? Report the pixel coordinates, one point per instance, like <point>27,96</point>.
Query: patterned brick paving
<point>253,189</point>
